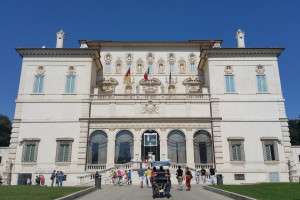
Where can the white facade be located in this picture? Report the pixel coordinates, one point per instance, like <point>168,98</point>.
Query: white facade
<point>218,107</point>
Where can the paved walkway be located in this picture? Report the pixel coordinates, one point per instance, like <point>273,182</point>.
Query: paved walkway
<point>109,192</point>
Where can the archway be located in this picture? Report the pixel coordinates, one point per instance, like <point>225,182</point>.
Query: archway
<point>150,146</point>
<point>177,146</point>
<point>203,147</point>
<point>123,147</point>
<point>98,148</point>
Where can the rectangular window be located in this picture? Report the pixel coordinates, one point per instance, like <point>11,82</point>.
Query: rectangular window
<point>270,150</point>
<point>236,148</point>
<point>261,83</point>
<point>70,84</point>
<point>0,159</point>
<point>38,83</point>
<point>30,151</point>
<point>229,83</point>
<point>63,152</point>
<point>299,158</point>
<point>239,177</point>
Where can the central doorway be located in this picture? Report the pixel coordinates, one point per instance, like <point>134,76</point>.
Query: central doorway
<point>150,146</point>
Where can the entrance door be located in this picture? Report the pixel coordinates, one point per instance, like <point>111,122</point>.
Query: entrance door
<point>150,146</point>
<point>203,152</point>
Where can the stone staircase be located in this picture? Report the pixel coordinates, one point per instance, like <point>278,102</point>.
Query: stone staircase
<point>87,179</point>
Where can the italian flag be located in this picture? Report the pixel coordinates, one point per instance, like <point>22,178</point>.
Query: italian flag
<point>146,75</point>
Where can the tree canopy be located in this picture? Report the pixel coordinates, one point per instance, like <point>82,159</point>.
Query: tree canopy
<point>294,126</point>
<point>5,130</point>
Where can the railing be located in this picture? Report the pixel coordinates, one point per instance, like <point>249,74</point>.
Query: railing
<point>203,165</point>
<point>96,167</point>
<point>150,96</point>
<point>176,165</point>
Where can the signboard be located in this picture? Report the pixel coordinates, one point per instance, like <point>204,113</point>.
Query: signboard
<point>150,139</point>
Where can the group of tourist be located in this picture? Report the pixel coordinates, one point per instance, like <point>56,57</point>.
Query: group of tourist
<point>57,177</point>
<point>146,175</point>
<point>121,177</point>
<point>205,176</point>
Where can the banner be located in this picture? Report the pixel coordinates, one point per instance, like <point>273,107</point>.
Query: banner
<point>150,139</point>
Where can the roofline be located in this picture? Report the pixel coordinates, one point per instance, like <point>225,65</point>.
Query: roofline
<point>111,43</point>
<point>93,52</point>
<point>237,52</point>
<point>61,52</point>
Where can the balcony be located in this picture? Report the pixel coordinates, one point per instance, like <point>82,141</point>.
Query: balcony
<point>204,97</point>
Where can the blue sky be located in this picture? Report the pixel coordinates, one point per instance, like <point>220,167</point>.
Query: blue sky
<point>34,23</point>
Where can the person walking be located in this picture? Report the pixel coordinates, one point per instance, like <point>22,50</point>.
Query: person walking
<point>212,176</point>
<point>42,180</point>
<point>129,176</point>
<point>141,173</point>
<point>179,177</point>
<point>37,180</point>
<point>120,176</point>
<point>188,178</point>
<point>197,176</point>
<point>52,177</point>
<point>169,184</point>
<point>148,177</point>
<point>97,180</point>
<point>203,175</point>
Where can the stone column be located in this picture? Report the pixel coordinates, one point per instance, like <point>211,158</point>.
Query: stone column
<point>137,145</point>
<point>190,148</point>
<point>111,148</point>
<point>163,144</point>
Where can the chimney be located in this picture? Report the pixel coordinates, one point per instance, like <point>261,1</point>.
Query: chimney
<point>240,38</point>
<point>60,39</point>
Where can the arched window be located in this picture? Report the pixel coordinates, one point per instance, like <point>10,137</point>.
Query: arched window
<point>202,147</point>
<point>38,85</point>
<point>176,146</point>
<point>124,147</point>
<point>70,81</point>
<point>98,148</point>
<point>229,80</point>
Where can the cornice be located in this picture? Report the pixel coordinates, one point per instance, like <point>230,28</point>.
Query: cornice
<point>188,43</point>
<point>241,52</point>
<point>151,120</point>
<point>59,52</point>
<point>237,52</point>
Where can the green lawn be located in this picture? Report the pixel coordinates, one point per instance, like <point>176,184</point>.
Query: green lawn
<point>266,191</point>
<point>34,192</point>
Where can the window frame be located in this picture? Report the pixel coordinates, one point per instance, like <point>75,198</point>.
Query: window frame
<point>230,86</point>
<point>24,151</point>
<point>38,84</point>
<point>59,142</point>
<point>69,83</point>
<point>236,141</point>
<point>261,83</point>
<point>273,142</point>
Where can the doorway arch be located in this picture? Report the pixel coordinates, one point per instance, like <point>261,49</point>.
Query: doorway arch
<point>98,147</point>
<point>150,146</point>
<point>123,147</point>
<point>177,146</point>
<point>203,147</point>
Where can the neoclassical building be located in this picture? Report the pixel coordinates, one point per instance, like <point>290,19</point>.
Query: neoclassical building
<point>111,103</point>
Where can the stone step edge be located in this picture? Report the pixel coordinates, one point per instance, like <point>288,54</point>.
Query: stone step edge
<point>77,194</point>
<point>227,193</point>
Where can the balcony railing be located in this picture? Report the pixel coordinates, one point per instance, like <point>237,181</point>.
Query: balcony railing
<point>203,165</point>
<point>151,96</point>
<point>96,167</point>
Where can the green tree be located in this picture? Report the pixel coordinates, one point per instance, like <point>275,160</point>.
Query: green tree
<point>294,126</point>
<point>5,130</point>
